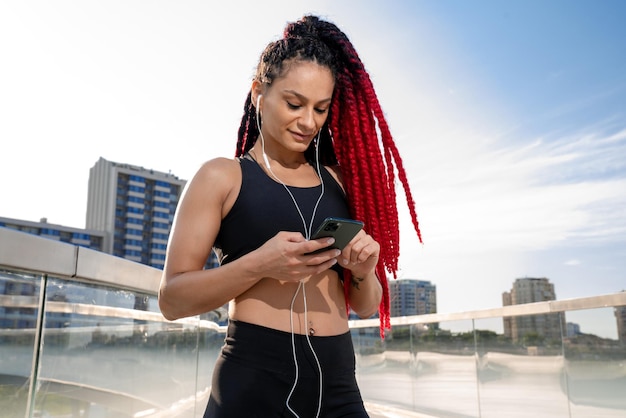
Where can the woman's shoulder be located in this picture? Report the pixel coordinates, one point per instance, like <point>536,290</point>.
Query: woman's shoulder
<point>216,181</point>
<point>218,172</point>
<point>218,167</point>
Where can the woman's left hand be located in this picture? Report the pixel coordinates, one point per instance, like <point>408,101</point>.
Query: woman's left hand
<point>361,254</point>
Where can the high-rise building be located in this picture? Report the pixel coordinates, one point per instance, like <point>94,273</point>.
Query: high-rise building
<point>412,297</point>
<point>135,207</point>
<point>545,326</point>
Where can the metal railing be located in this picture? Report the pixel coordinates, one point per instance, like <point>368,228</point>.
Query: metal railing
<point>81,335</point>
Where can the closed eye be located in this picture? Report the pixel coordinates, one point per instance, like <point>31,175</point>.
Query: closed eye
<point>296,107</point>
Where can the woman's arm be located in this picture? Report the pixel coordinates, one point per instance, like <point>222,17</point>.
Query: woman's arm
<point>186,289</point>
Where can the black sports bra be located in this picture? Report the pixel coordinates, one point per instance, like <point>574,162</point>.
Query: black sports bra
<point>263,208</point>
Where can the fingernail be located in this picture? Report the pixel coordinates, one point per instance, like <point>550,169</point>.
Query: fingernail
<point>344,261</point>
<point>337,252</point>
<point>330,240</point>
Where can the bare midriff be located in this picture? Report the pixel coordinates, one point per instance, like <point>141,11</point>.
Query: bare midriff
<point>268,303</point>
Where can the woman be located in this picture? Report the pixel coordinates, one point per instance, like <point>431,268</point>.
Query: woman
<point>308,149</point>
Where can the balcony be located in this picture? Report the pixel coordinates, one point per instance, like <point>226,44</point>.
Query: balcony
<point>81,336</point>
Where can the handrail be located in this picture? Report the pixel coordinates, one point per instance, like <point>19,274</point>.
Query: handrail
<point>23,251</point>
<point>536,308</point>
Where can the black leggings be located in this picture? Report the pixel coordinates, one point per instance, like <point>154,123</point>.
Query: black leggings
<point>255,373</point>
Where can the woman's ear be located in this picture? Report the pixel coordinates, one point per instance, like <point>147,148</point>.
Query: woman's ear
<point>255,94</point>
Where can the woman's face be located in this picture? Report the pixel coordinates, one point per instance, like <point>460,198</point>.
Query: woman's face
<point>295,106</point>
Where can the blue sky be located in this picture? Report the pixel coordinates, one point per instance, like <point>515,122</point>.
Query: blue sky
<point>511,117</point>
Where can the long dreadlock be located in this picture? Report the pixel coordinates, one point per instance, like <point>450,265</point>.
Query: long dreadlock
<point>356,137</point>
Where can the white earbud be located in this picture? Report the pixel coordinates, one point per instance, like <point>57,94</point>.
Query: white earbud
<point>258,113</point>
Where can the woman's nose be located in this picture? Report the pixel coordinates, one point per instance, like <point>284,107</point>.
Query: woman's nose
<point>307,121</point>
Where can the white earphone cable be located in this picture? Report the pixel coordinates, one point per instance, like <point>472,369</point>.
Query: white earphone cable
<point>293,351</point>
<point>301,284</point>
<point>317,361</point>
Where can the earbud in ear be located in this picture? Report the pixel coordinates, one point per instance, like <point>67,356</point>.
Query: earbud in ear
<point>258,102</point>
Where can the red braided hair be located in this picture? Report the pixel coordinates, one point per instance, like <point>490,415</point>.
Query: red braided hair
<point>356,138</point>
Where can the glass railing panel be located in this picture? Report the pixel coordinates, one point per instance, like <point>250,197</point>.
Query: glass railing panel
<point>445,369</point>
<point>107,353</point>
<point>210,344</point>
<point>521,370</point>
<point>384,366</point>
<point>19,310</point>
<point>596,363</point>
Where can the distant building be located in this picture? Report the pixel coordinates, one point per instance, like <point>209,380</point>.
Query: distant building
<point>572,329</point>
<point>412,297</point>
<point>13,316</point>
<point>543,326</point>
<point>82,237</point>
<point>135,207</point>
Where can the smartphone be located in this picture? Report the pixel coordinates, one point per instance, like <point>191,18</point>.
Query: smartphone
<point>343,230</point>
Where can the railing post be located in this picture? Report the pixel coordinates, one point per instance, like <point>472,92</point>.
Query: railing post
<point>477,362</point>
<point>37,347</point>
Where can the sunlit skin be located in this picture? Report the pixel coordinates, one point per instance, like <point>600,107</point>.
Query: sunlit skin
<point>262,283</point>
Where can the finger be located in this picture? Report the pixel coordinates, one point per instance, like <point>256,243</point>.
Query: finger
<point>364,254</point>
<point>349,257</point>
<point>316,246</point>
<point>361,250</point>
<point>358,252</point>
<point>293,236</point>
<point>322,257</point>
<point>312,270</point>
<point>326,265</point>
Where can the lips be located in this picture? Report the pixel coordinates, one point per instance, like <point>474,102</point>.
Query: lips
<point>301,137</point>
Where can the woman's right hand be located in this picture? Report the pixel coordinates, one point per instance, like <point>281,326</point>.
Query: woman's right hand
<point>285,257</point>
